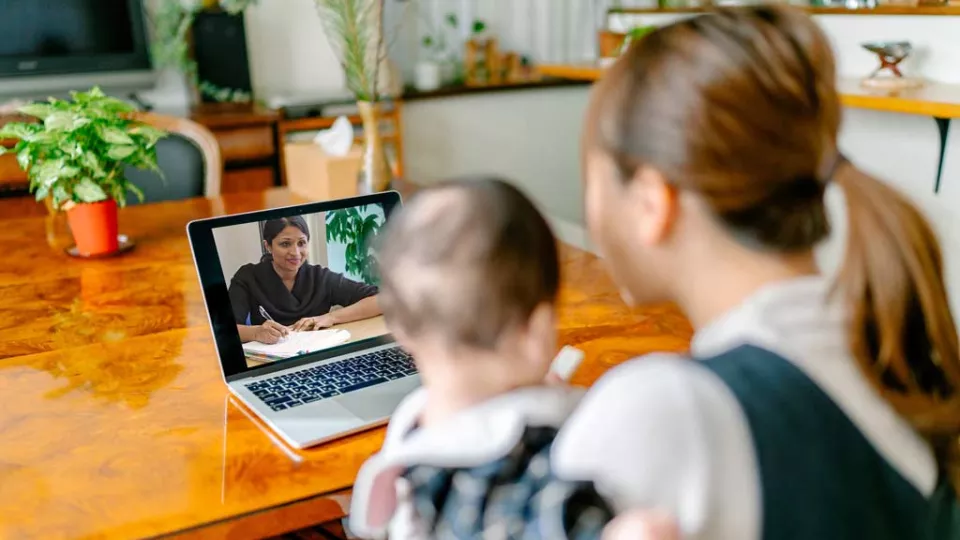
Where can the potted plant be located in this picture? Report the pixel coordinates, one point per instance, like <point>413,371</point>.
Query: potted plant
<point>171,22</point>
<point>354,29</point>
<point>442,61</point>
<point>429,71</point>
<point>75,155</point>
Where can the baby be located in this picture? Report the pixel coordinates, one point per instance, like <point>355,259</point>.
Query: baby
<point>469,282</point>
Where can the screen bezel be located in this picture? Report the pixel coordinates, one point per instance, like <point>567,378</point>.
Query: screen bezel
<point>214,287</point>
<point>12,67</point>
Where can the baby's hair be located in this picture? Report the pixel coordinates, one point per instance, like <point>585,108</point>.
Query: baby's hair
<point>465,261</point>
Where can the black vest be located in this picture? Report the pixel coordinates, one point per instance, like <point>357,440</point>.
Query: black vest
<point>820,477</point>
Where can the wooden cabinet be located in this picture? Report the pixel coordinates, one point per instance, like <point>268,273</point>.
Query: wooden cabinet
<point>248,141</point>
<point>12,178</point>
<point>13,181</point>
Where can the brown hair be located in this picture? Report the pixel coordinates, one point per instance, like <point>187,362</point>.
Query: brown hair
<point>466,260</point>
<point>740,106</point>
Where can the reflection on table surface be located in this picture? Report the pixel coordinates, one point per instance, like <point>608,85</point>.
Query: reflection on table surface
<point>359,331</point>
<point>117,428</point>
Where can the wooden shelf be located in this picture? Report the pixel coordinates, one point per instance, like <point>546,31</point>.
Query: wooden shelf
<point>577,72</point>
<point>938,100</point>
<point>880,10</point>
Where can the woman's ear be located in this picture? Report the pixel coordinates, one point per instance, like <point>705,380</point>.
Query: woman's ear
<point>657,201</point>
<point>266,246</point>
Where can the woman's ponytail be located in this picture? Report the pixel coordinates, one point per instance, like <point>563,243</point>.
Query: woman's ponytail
<point>901,330</point>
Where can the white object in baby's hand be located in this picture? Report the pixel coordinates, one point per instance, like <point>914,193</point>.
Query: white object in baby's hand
<point>566,362</point>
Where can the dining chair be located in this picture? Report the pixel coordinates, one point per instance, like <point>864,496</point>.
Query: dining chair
<point>189,158</point>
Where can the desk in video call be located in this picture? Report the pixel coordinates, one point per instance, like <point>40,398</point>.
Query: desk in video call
<point>359,330</point>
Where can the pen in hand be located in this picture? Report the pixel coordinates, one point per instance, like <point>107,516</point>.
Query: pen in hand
<point>284,331</point>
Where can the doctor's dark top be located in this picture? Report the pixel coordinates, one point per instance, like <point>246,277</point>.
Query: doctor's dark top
<point>315,291</point>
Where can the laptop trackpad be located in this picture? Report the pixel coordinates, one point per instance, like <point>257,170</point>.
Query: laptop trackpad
<point>380,401</point>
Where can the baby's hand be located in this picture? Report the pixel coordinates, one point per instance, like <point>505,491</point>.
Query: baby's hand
<point>552,379</point>
<point>642,525</point>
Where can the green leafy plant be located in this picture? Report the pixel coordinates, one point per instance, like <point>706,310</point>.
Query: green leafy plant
<point>357,231</point>
<point>354,29</point>
<point>78,149</point>
<point>435,41</point>
<point>171,21</point>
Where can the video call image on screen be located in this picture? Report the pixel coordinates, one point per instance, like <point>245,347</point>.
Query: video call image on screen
<point>294,271</point>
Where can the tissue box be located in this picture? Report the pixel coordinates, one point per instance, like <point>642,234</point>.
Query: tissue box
<point>316,175</point>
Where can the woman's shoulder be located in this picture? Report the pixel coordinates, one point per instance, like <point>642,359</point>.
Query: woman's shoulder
<point>669,394</point>
<point>246,272</point>
<point>672,378</point>
<point>662,429</point>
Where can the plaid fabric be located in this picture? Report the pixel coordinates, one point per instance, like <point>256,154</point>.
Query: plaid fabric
<point>516,496</point>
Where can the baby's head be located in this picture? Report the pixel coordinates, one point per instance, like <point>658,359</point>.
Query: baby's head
<point>469,280</point>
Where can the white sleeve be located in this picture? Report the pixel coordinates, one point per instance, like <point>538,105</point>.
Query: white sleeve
<point>663,432</point>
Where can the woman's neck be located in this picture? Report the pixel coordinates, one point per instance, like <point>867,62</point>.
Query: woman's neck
<point>287,276</point>
<point>733,279</point>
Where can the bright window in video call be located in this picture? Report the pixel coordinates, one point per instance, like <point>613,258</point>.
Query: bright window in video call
<point>296,268</point>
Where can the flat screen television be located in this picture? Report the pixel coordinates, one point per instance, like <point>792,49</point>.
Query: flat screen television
<point>48,47</point>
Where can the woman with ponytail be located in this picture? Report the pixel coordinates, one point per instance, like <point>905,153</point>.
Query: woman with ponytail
<point>816,408</point>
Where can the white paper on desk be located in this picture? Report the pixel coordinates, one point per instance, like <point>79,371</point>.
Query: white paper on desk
<point>300,343</point>
<point>337,140</point>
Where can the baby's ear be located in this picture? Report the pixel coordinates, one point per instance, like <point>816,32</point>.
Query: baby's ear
<point>403,339</point>
<point>542,332</point>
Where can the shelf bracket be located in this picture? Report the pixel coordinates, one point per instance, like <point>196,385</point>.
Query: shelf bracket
<point>943,126</point>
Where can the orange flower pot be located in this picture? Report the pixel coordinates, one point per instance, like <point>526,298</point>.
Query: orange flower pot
<point>94,227</point>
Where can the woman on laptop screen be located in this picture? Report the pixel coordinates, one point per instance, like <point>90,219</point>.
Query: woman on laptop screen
<point>284,292</point>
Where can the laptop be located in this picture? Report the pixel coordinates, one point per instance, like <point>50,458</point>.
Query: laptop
<point>333,382</point>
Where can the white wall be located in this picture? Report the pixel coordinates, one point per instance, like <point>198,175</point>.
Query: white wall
<point>288,49</point>
<point>237,245</point>
<point>530,136</point>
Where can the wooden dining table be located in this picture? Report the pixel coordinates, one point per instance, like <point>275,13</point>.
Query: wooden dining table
<point>116,423</point>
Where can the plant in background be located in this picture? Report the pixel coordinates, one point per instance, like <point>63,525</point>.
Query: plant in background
<point>435,42</point>
<point>171,22</point>
<point>78,150</point>
<point>354,29</point>
<point>351,227</point>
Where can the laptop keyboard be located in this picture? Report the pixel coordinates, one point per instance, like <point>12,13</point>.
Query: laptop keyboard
<point>330,380</point>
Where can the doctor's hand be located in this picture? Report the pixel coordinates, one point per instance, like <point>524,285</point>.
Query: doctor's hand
<point>314,323</point>
<point>270,332</point>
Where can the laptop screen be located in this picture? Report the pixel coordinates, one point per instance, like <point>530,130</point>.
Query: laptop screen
<point>298,283</point>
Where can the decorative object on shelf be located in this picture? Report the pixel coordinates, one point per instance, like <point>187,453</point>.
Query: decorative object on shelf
<point>428,74</point>
<point>481,62</point>
<point>609,46</point>
<point>439,60</point>
<point>888,76</point>
<point>75,158</point>
<point>354,29</point>
<point>171,23</point>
